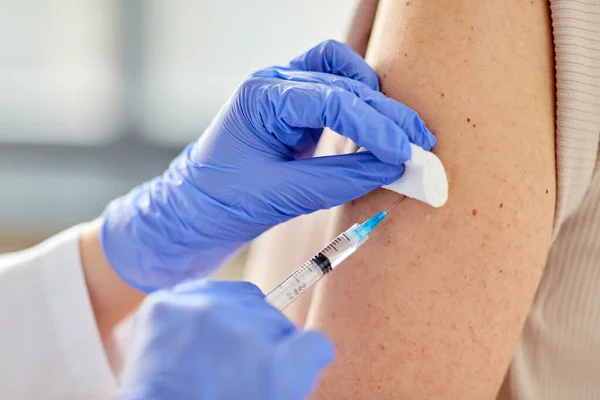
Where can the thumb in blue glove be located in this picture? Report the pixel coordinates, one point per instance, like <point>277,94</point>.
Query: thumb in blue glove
<point>252,169</point>
<point>220,340</point>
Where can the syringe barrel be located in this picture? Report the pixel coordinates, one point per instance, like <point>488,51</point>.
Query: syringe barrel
<point>343,246</point>
<point>299,282</point>
<point>315,268</point>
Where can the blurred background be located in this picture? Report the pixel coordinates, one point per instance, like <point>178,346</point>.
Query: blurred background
<point>98,96</point>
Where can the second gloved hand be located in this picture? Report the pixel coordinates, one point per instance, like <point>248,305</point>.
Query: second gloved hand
<point>220,340</point>
<point>252,168</point>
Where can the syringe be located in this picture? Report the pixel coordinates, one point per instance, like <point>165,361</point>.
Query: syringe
<point>324,261</point>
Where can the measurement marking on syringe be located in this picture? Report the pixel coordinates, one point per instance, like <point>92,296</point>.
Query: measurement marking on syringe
<point>324,262</point>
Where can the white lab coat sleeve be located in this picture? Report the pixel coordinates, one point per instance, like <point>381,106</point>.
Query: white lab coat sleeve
<point>50,347</point>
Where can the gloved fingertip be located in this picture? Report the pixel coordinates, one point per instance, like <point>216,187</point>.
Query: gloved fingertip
<point>380,171</point>
<point>404,152</point>
<point>337,58</point>
<point>372,81</point>
<point>249,287</point>
<point>241,289</point>
<point>431,139</point>
<point>393,176</point>
<point>427,138</point>
<point>361,71</point>
<point>396,153</point>
<point>230,288</point>
<point>319,347</point>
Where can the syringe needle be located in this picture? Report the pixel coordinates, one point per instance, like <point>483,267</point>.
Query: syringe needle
<point>394,205</point>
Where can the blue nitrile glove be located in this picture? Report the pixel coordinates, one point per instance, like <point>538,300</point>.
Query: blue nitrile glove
<point>220,340</point>
<point>249,171</point>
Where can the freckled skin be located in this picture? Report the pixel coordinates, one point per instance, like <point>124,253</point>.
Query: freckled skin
<point>454,317</point>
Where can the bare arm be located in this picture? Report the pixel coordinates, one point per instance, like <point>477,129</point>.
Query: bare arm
<point>359,31</point>
<point>431,308</point>
<point>111,298</point>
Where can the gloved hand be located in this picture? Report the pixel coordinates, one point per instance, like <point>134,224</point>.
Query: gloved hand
<point>220,340</point>
<point>251,170</point>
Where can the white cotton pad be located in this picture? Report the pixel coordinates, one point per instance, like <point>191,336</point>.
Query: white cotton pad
<point>424,178</point>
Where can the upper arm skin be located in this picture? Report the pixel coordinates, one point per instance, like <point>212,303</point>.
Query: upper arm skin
<point>432,306</point>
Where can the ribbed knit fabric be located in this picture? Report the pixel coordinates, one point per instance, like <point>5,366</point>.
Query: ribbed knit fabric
<point>558,355</point>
